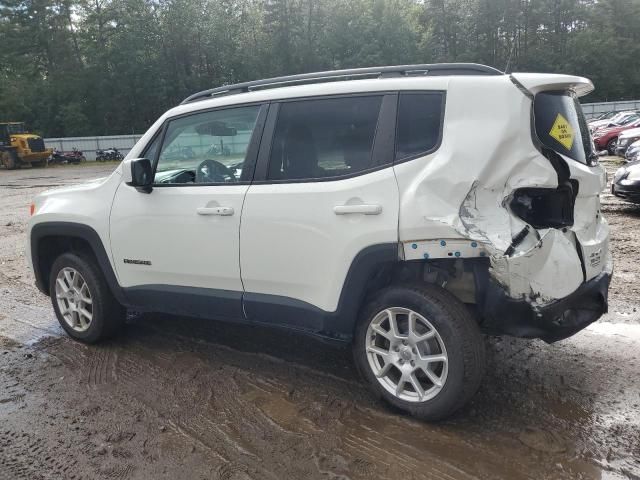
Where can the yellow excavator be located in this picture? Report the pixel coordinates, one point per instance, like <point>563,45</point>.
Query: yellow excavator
<point>18,147</point>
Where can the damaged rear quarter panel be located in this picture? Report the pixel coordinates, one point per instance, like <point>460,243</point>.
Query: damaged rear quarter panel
<point>461,191</point>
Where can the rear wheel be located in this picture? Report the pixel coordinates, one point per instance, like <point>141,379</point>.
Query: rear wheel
<point>611,146</point>
<point>82,300</point>
<point>420,350</point>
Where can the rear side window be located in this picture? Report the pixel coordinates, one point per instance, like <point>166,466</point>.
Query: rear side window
<point>316,139</point>
<point>419,123</point>
<point>560,125</point>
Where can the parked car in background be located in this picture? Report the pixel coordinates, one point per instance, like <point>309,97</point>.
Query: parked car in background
<point>622,118</point>
<point>604,116</point>
<point>607,138</point>
<point>626,182</point>
<point>625,139</point>
<point>633,152</point>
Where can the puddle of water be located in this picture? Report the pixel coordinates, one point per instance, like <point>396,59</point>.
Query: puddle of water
<point>631,331</point>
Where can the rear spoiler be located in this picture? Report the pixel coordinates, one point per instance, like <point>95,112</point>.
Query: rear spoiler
<point>539,82</point>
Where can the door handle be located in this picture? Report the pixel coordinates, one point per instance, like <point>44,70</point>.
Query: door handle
<point>358,208</point>
<point>222,211</point>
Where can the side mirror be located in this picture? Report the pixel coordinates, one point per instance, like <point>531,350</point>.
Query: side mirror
<point>139,174</point>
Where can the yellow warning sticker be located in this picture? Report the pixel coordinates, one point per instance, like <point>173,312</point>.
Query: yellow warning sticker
<point>562,131</point>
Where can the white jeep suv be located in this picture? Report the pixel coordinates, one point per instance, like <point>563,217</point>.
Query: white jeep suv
<point>403,210</point>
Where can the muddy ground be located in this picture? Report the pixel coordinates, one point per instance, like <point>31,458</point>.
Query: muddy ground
<point>181,398</point>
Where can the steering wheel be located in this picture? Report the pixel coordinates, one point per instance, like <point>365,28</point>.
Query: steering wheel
<point>212,171</point>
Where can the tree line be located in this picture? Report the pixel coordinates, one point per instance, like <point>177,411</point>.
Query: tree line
<point>104,67</point>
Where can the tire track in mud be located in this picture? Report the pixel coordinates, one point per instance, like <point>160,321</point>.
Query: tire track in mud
<point>184,393</point>
<point>262,419</point>
<point>11,392</point>
<point>24,456</point>
<point>247,416</point>
<point>97,363</point>
<point>189,404</point>
<point>120,472</point>
<point>101,367</point>
<point>361,450</point>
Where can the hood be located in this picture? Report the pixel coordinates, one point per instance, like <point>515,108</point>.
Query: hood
<point>606,131</point>
<point>88,185</point>
<point>632,132</point>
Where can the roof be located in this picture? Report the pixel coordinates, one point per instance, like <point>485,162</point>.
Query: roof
<point>434,69</point>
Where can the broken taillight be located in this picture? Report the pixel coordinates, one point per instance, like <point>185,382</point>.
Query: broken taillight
<point>546,207</point>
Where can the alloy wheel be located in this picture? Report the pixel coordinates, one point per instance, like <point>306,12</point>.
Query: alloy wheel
<point>74,299</point>
<point>406,354</point>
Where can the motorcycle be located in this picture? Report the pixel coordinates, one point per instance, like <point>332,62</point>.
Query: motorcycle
<point>109,155</point>
<point>75,156</point>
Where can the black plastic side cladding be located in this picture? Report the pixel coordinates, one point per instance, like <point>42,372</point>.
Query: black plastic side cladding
<point>365,274</point>
<point>41,231</point>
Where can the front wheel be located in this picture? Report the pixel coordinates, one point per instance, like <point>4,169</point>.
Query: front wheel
<point>82,300</point>
<point>9,159</point>
<point>420,350</point>
<point>611,146</point>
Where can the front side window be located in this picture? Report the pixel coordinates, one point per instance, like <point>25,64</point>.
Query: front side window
<point>207,147</point>
<point>419,123</point>
<point>324,138</point>
<point>560,125</point>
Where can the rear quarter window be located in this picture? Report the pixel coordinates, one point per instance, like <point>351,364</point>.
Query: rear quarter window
<point>419,125</point>
<point>561,126</point>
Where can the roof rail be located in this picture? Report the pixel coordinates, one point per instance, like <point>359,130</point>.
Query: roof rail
<point>348,74</point>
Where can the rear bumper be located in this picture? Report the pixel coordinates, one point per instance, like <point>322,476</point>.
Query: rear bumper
<point>503,315</point>
<point>629,191</point>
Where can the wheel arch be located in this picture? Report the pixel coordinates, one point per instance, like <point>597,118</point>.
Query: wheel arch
<point>51,239</point>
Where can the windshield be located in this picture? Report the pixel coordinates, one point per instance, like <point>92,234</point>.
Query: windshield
<point>628,120</point>
<point>16,128</point>
<point>621,117</point>
<point>560,125</point>
<point>606,115</point>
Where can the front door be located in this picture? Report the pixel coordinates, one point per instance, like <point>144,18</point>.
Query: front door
<point>177,248</point>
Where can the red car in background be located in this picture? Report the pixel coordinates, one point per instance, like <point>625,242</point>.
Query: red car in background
<point>607,138</point>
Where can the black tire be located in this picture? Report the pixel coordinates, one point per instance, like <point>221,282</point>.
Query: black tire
<point>108,314</point>
<point>10,160</point>
<point>611,146</point>
<point>459,332</point>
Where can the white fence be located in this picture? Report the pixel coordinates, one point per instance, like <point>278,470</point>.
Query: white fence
<point>195,143</point>
<point>89,145</point>
<point>593,109</point>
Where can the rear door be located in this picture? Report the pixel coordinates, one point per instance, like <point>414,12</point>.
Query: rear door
<point>324,191</point>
